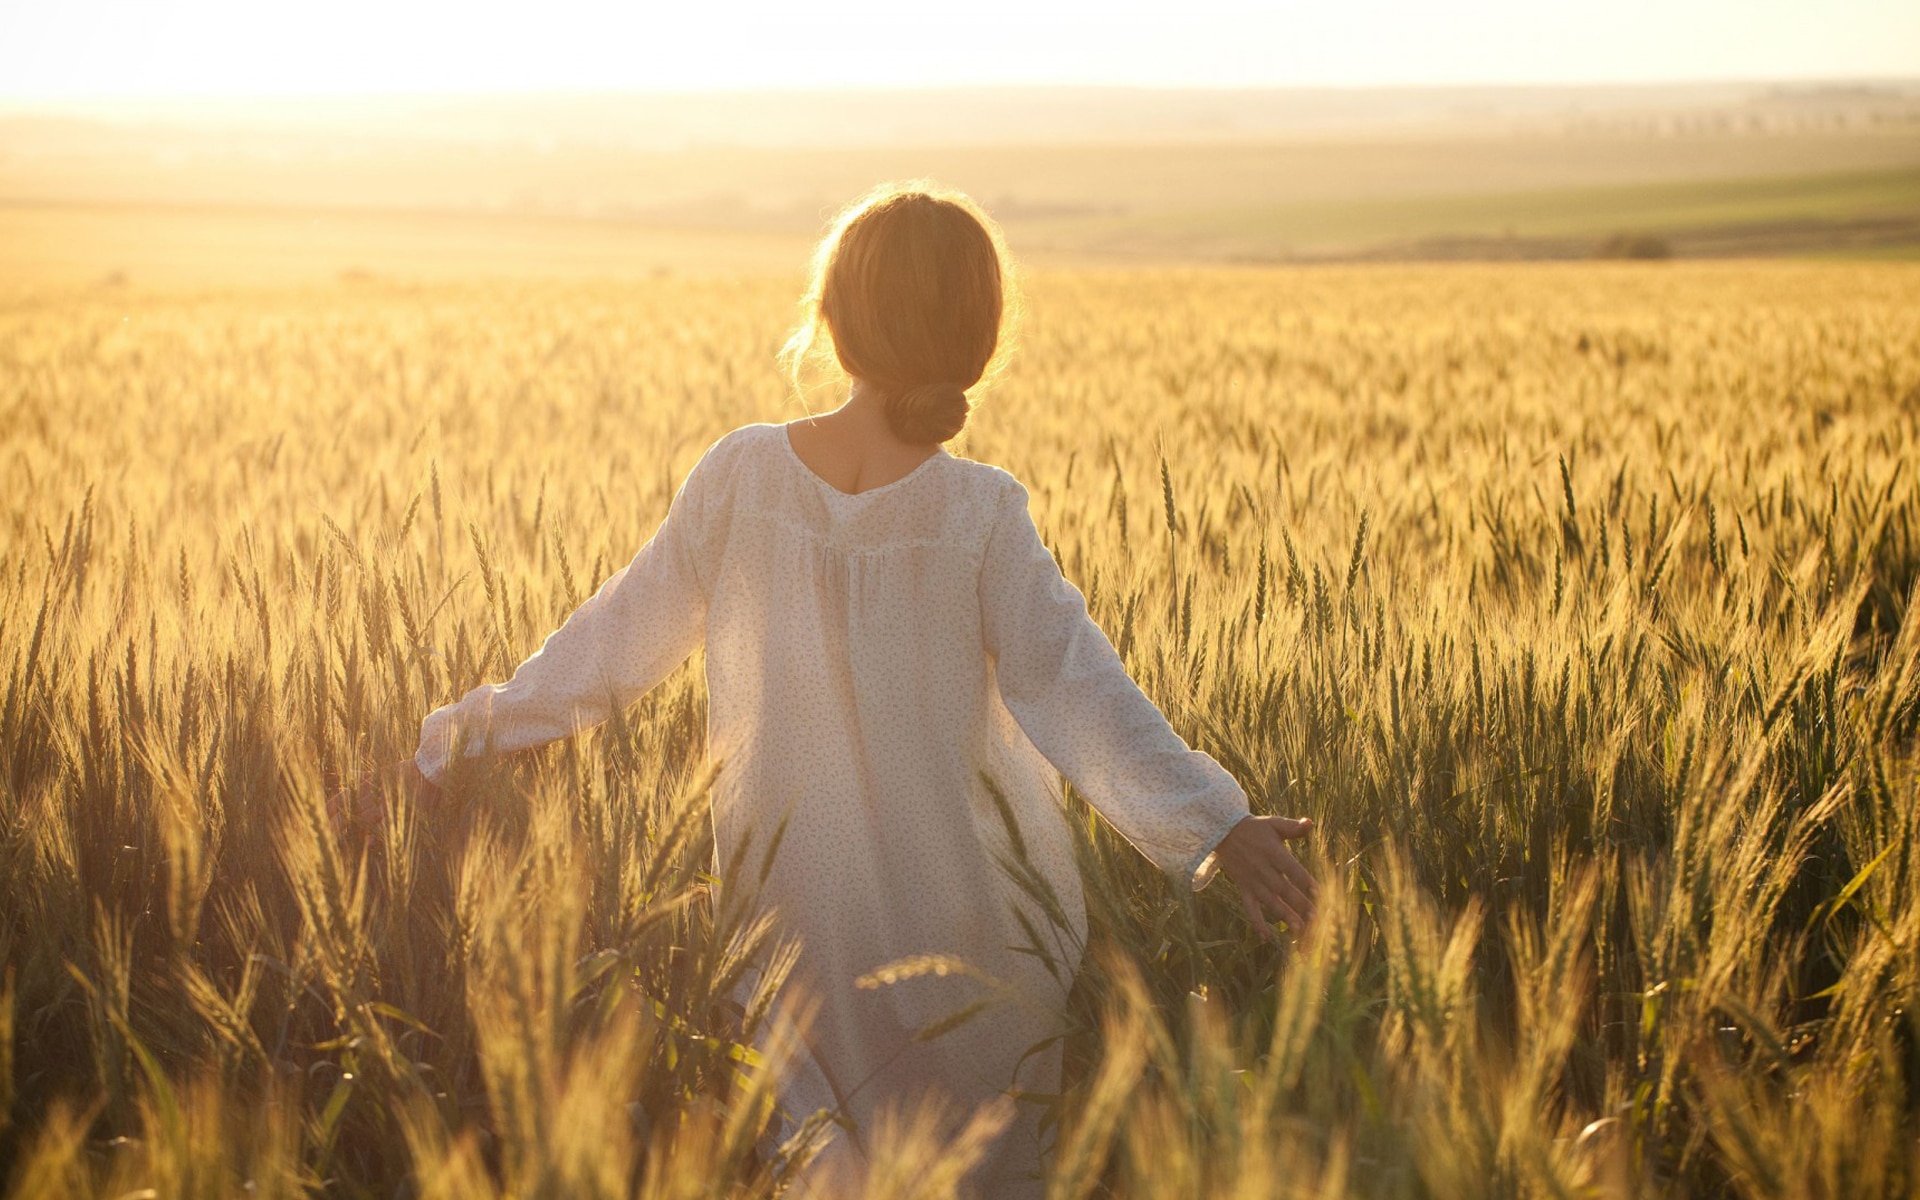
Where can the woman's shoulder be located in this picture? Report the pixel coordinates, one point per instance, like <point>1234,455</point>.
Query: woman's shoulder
<point>726,452</point>
<point>735,440</point>
<point>995,483</point>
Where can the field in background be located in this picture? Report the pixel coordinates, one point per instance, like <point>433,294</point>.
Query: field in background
<point>169,248</point>
<point>1572,601</point>
<point>1861,214</point>
<point>617,187</point>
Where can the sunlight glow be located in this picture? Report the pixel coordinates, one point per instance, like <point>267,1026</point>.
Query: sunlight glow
<point>82,48</point>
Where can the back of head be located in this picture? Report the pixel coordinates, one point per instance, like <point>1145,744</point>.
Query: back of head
<point>912,284</point>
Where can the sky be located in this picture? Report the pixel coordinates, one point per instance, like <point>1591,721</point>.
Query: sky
<point>77,49</point>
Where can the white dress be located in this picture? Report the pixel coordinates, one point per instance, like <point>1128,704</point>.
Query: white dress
<point>870,659</point>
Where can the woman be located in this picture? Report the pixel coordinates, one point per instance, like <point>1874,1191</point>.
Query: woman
<point>888,645</point>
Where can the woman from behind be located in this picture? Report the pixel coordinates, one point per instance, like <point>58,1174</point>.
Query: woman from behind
<point>898,677</point>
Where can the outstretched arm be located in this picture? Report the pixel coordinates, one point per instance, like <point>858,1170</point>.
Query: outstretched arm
<point>642,623</point>
<point>1064,683</point>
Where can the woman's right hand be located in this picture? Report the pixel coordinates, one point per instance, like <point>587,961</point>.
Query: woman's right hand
<point>1273,884</point>
<point>359,808</point>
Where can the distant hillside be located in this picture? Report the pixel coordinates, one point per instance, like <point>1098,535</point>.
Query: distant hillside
<point>1119,175</point>
<point>789,119</point>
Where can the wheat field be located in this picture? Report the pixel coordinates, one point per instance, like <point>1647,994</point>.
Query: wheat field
<point>1571,601</point>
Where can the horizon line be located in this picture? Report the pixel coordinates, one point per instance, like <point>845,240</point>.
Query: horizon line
<point>8,99</point>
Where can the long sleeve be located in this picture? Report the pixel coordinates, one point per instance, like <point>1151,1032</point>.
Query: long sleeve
<point>1064,683</point>
<point>642,623</point>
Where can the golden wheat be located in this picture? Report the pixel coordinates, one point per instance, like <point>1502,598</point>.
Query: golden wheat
<point>1570,601</point>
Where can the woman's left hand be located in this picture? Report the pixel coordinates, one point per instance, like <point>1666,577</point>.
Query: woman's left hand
<point>1273,884</point>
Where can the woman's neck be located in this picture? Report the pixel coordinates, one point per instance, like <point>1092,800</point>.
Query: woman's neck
<point>862,416</point>
<point>853,447</point>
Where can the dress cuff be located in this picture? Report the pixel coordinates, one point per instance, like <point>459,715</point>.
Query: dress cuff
<point>1203,866</point>
<point>435,752</point>
<point>429,765</point>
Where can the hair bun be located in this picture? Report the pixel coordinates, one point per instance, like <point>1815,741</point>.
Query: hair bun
<point>929,412</point>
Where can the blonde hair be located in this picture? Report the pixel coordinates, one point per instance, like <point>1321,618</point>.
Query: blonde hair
<point>917,293</point>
